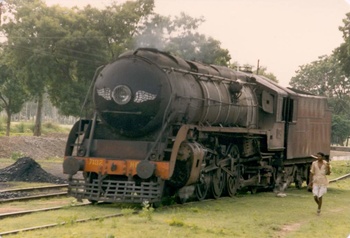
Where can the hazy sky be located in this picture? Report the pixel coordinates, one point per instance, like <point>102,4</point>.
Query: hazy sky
<point>282,34</point>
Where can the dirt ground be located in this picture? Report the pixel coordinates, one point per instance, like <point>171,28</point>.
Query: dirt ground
<point>42,149</point>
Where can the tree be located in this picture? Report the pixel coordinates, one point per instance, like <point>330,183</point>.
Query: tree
<point>57,49</point>
<point>263,71</point>
<point>342,53</point>
<point>94,38</point>
<point>12,92</point>
<point>180,36</point>
<point>28,39</point>
<point>325,77</point>
<point>340,129</point>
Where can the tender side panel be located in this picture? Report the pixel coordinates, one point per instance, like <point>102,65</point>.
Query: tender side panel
<point>310,130</point>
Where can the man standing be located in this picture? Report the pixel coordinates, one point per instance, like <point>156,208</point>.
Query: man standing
<point>318,180</point>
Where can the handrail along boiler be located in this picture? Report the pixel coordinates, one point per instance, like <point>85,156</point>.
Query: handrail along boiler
<point>166,126</point>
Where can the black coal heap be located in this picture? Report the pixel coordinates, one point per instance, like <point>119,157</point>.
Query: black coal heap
<point>28,170</point>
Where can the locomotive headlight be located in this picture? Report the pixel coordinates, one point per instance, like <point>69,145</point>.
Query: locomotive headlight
<point>121,94</point>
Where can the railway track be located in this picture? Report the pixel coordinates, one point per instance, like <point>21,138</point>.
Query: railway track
<point>119,214</point>
<point>59,224</point>
<point>340,178</point>
<point>22,194</point>
<point>25,212</point>
<point>14,214</point>
<point>12,232</point>
<point>36,188</point>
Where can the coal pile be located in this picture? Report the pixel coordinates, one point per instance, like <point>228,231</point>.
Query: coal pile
<point>28,170</point>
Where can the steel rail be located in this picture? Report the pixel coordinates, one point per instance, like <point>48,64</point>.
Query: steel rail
<point>340,178</point>
<point>34,197</point>
<point>20,213</point>
<point>12,232</point>
<point>92,219</point>
<point>62,223</point>
<point>13,214</point>
<point>34,188</point>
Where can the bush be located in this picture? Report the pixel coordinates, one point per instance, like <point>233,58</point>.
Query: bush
<point>16,155</point>
<point>27,128</point>
<point>21,128</point>
<point>50,127</point>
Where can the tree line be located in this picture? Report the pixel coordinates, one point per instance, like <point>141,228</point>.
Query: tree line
<point>54,51</point>
<point>329,76</point>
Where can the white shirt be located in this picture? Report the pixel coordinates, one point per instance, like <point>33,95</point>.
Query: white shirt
<point>319,174</point>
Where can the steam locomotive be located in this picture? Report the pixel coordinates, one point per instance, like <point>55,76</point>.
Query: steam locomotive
<point>164,126</point>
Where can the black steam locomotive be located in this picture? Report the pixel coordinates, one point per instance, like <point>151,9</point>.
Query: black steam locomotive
<point>165,126</point>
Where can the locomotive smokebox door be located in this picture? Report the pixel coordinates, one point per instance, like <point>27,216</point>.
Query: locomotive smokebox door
<point>131,95</point>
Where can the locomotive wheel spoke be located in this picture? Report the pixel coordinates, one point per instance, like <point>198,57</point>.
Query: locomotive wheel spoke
<point>218,183</point>
<point>253,190</point>
<point>202,188</point>
<point>298,184</point>
<point>232,185</point>
<point>298,180</point>
<point>232,182</point>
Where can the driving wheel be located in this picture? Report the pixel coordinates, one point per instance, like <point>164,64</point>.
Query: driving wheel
<point>202,187</point>
<point>232,182</point>
<point>218,183</point>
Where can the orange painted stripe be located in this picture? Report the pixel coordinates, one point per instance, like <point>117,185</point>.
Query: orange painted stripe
<point>121,167</point>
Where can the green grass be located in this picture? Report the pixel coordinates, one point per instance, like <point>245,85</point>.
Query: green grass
<point>26,128</point>
<point>246,215</point>
<point>50,127</point>
<point>67,215</point>
<point>259,215</point>
<point>339,168</point>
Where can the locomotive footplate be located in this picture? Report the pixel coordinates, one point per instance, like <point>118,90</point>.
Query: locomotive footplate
<point>116,191</point>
